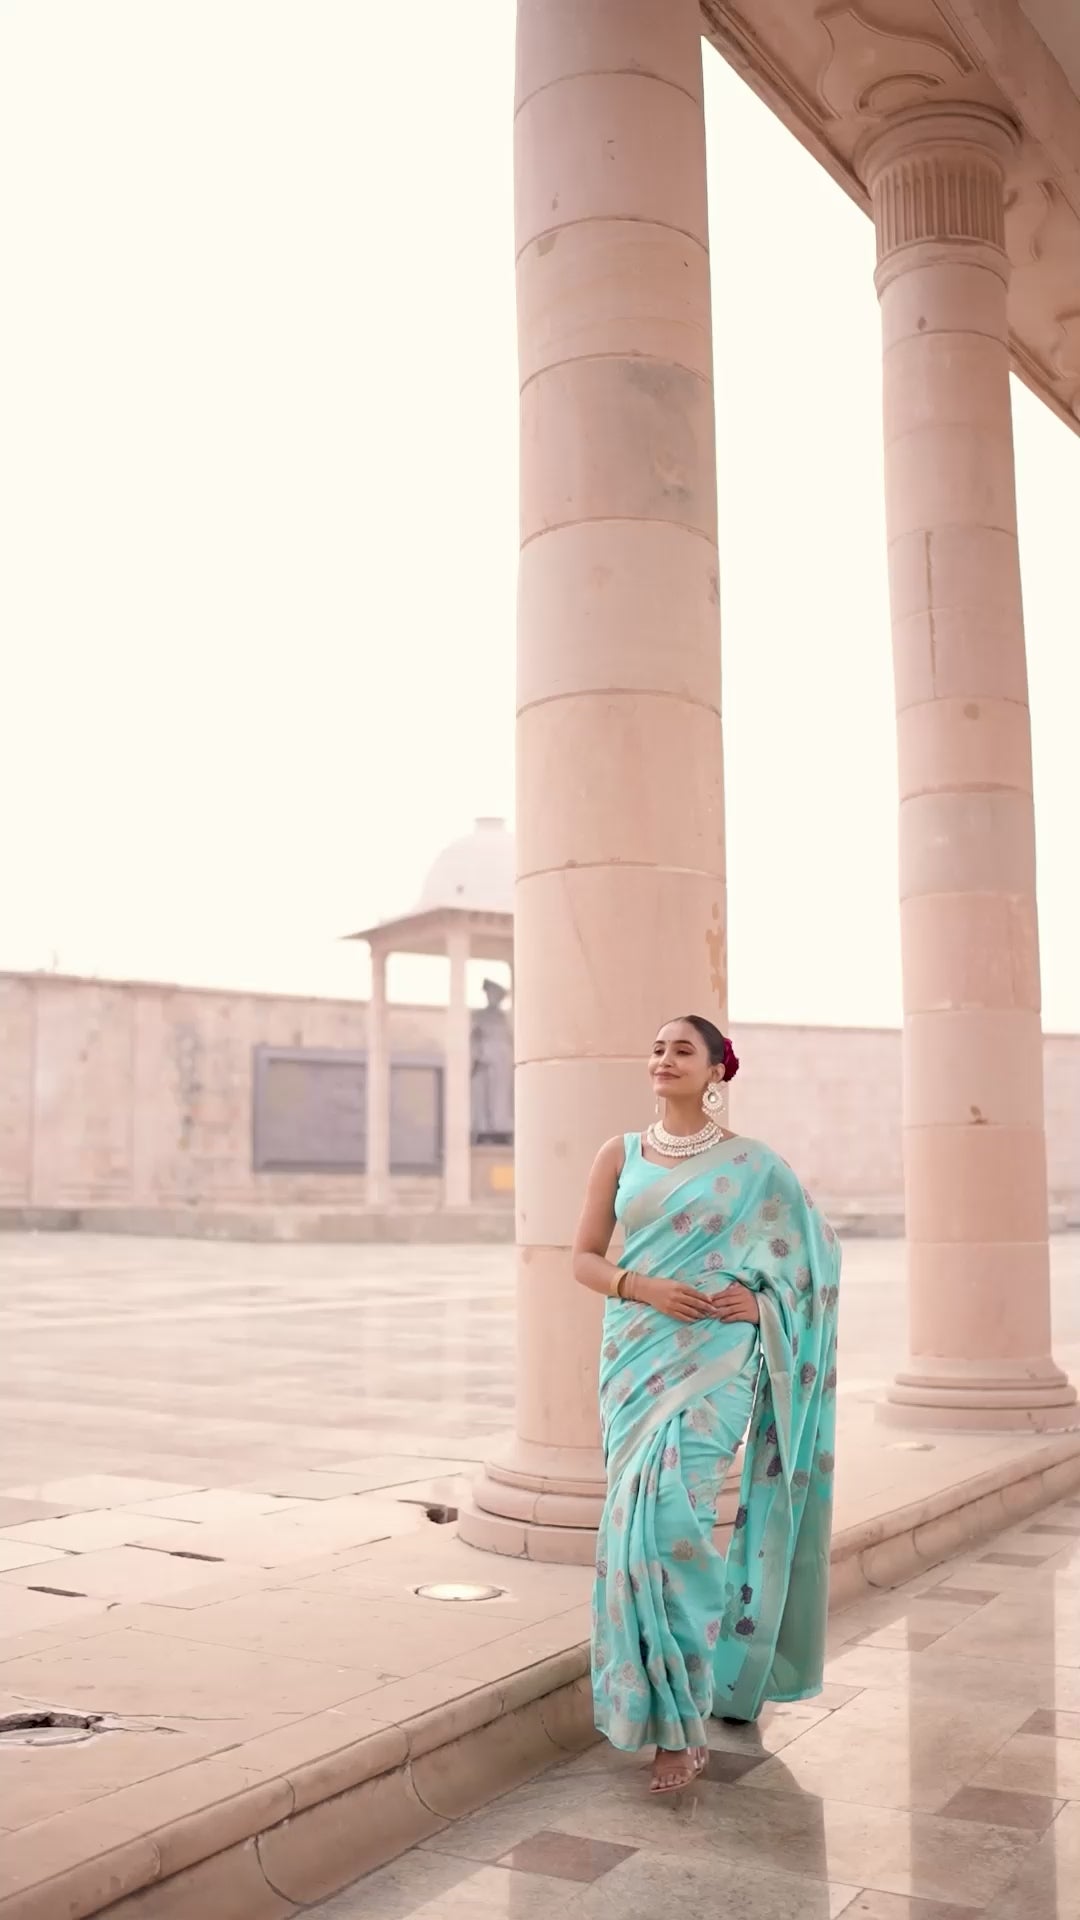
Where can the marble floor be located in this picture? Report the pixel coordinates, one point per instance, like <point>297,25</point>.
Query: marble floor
<point>226,1472</point>
<point>211,1363</point>
<point>937,1777</point>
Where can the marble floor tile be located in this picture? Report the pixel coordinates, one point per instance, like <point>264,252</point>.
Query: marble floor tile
<point>367,1581</point>
<point>214,1506</point>
<point>330,1483</point>
<point>550,1801</point>
<point>924,1614</point>
<point>649,1885</point>
<point>24,1553</point>
<point>831,1841</point>
<point>941,1673</point>
<point>1059,1726</point>
<point>87,1491</point>
<point>120,1573</point>
<point>1035,1763</point>
<point>16,1513</point>
<point>88,1532</point>
<point>602,1759</point>
<point>1047,1886</point>
<point>164,1677</point>
<point>343,1629</point>
<point>943,1609</point>
<point>424,1886</point>
<point>777,1728</point>
<point>725,1768</point>
<point>1061,1571</point>
<point>886,1849</point>
<point>40,1783</point>
<point>1032,1559</point>
<point>886,1750</point>
<point>966,1596</point>
<point>780,1726</point>
<point>993,1807</point>
<point>897,1906</point>
<point>1019,1628</point>
<point>564,1856</point>
<point>24,1611</point>
<point>905,1637</point>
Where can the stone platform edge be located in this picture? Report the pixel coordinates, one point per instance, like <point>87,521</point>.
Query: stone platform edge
<point>338,1810</point>
<point>317,1224</point>
<point>357,1226</point>
<point>311,1225</point>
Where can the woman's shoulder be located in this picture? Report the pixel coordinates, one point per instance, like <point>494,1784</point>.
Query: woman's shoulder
<point>615,1152</point>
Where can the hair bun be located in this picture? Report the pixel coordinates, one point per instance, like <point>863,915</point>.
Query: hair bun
<point>731,1061</point>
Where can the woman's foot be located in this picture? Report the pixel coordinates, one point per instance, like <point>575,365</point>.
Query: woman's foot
<point>674,1771</point>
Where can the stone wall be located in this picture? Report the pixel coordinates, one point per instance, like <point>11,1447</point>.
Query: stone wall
<point>124,1094</point>
<point>135,1096</point>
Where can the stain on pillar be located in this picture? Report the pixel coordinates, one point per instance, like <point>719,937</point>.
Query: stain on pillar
<point>716,947</point>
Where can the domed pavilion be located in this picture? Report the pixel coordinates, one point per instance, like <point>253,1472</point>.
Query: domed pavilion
<point>465,912</point>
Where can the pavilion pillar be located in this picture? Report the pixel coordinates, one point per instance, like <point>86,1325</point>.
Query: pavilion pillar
<point>378,1085</point>
<point>620,907</point>
<point>974,1144</point>
<point>457,1110</point>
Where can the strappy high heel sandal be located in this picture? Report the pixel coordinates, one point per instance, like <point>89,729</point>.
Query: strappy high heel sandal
<point>698,1764</point>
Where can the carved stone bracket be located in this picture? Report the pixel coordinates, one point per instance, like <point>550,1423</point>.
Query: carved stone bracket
<point>842,74</point>
<point>872,68</point>
<point>1065,354</point>
<point>1028,211</point>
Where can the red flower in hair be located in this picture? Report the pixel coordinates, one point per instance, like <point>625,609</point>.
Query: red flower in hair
<point>731,1061</point>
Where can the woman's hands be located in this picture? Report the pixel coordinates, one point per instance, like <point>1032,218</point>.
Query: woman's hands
<point>679,1302</point>
<point>736,1302</point>
<point>671,1297</point>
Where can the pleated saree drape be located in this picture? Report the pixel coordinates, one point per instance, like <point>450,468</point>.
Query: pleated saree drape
<point>681,1630</point>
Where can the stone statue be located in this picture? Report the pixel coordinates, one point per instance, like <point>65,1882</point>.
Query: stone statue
<point>492,1071</point>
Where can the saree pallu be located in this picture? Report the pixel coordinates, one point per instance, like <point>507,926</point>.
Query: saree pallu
<point>681,1630</point>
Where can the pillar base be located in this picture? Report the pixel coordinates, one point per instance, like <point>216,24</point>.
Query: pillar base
<point>538,1503</point>
<point>1022,1396</point>
<point>545,1503</point>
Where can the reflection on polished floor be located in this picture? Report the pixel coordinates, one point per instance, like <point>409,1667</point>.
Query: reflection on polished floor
<point>211,1363</point>
<point>938,1777</point>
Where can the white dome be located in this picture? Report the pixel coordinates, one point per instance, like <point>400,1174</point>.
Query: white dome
<point>476,872</point>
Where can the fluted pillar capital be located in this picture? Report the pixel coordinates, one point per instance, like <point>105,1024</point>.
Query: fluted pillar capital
<point>936,178</point>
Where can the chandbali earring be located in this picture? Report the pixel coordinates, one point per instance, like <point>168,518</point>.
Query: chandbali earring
<point>715,1100</point>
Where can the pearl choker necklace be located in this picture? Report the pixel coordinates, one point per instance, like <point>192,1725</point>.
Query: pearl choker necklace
<point>683,1146</point>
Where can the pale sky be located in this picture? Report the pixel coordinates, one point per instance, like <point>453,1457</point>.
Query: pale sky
<point>258,479</point>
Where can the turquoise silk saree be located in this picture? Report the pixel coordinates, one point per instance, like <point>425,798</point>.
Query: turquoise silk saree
<point>681,1631</point>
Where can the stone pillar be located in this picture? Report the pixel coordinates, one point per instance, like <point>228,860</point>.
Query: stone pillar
<point>620,907</point>
<point>974,1145</point>
<point>458,1088</point>
<point>378,1085</point>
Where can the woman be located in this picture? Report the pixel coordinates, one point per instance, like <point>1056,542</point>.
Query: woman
<point>721,1317</point>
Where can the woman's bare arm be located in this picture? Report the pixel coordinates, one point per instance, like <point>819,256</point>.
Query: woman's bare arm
<point>596,1226</point>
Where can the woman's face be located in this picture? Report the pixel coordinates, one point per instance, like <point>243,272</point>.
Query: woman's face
<point>680,1068</point>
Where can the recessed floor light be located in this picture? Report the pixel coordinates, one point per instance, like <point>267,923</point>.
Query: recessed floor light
<point>47,1729</point>
<point>457,1590</point>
